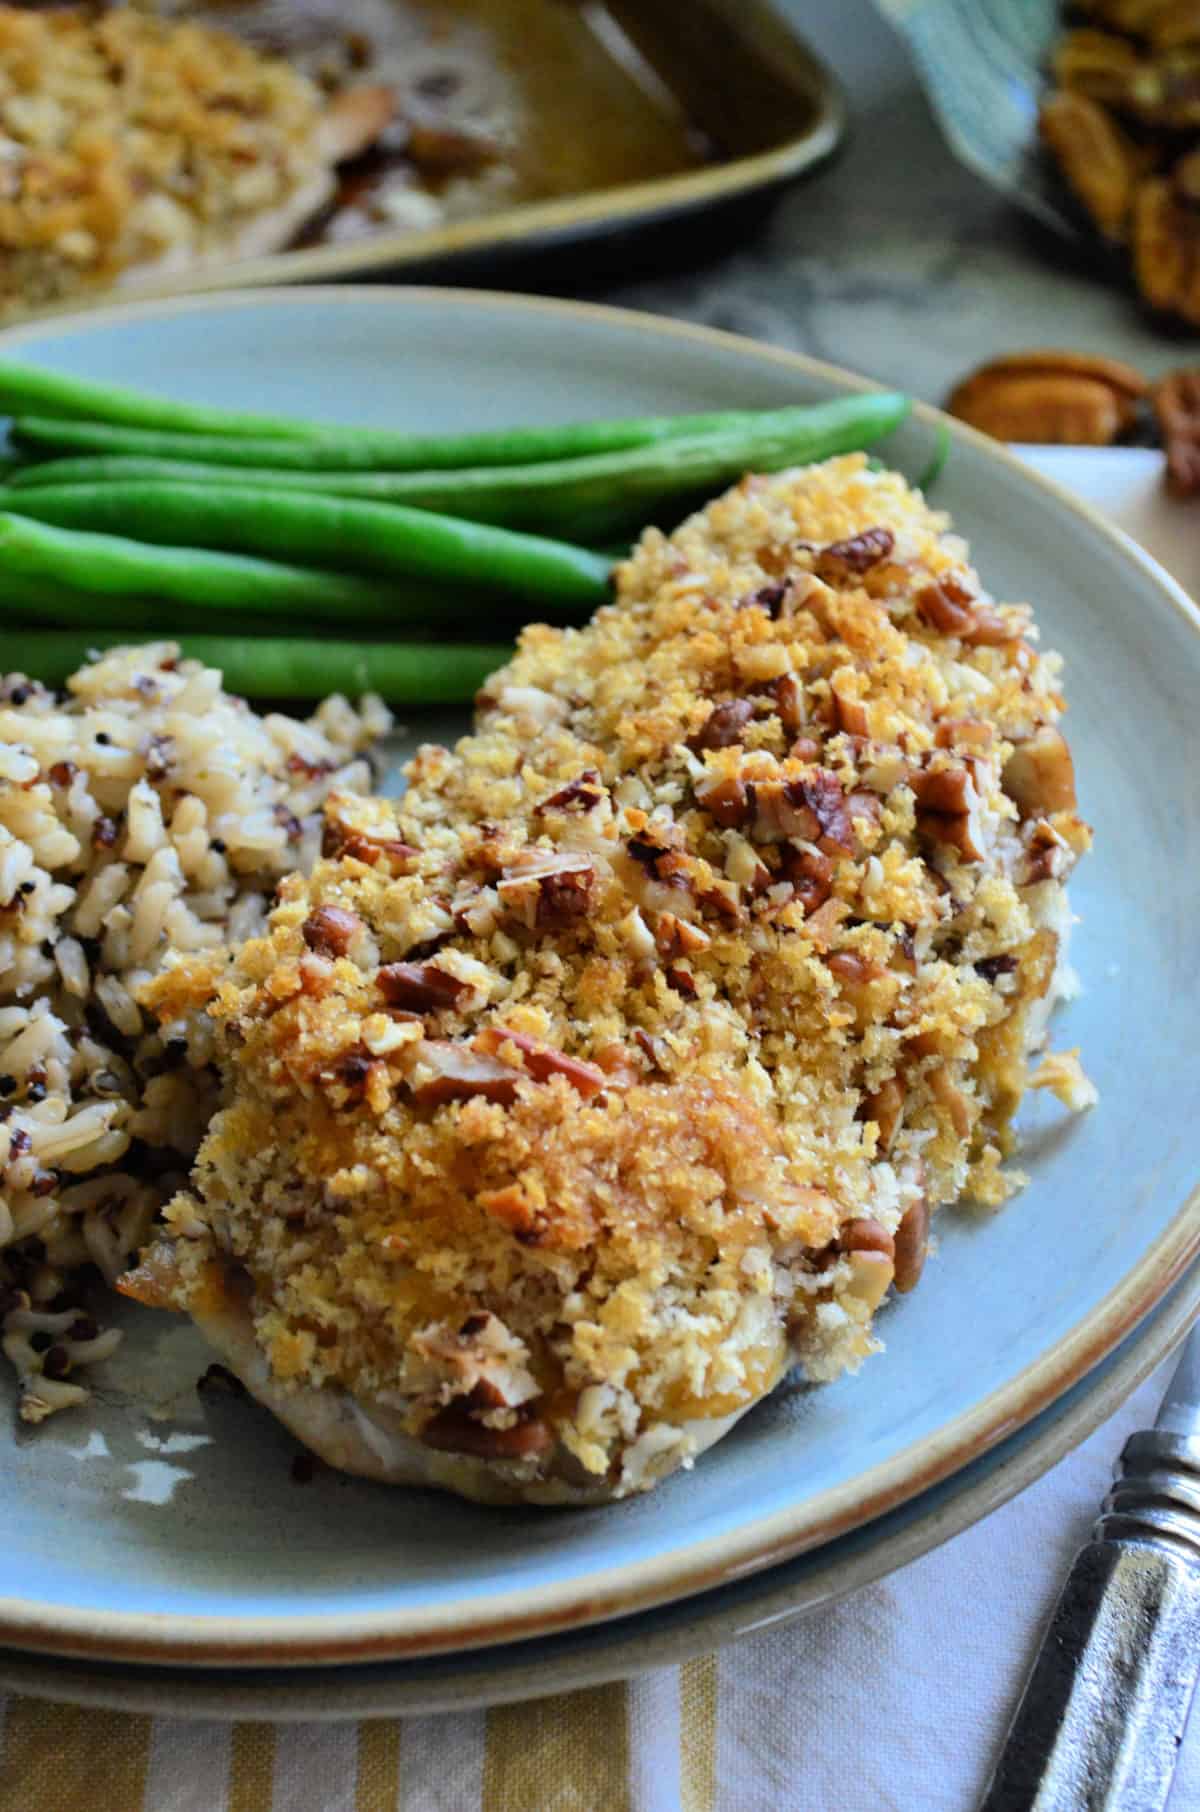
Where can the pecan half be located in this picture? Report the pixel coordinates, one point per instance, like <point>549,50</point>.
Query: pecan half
<point>1052,396</point>
<point>1176,401</point>
<point>1096,159</point>
<point>1098,64</point>
<point>1166,249</point>
<point>849,559</point>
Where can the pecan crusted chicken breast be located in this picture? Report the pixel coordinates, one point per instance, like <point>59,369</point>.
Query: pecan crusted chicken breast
<point>618,1068</point>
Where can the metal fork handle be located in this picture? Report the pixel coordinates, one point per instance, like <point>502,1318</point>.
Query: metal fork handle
<point>1100,1721</point>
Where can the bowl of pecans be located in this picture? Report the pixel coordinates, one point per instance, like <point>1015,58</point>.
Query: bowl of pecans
<point>1087,114</point>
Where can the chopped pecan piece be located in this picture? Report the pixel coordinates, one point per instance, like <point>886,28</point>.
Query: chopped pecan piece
<point>340,839</point>
<point>850,714</point>
<point>550,895</point>
<point>866,1235</point>
<point>1050,396</point>
<point>789,702</point>
<point>582,794</point>
<point>945,606</point>
<point>455,1072</point>
<point>682,980</point>
<point>811,876</point>
<point>946,789</point>
<point>854,969</point>
<point>912,1245</point>
<point>1177,405</point>
<point>420,987</point>
<point>330,930</point>
<point>886,1108</point>
<point>455,1430</point>
<point>768,597</point>
<point>843,560</point>
<point>729,800</point>
<point>1039,775</point>
<point>1098,162</point>
<point>678,937</point>
<point>724,725</point>
<point>541,1060</point>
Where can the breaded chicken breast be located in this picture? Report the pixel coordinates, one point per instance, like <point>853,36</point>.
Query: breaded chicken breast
<point>619,1067</point>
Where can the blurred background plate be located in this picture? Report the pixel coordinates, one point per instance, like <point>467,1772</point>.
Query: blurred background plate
<point>629,127</point>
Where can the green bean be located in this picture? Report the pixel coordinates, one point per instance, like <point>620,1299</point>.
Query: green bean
<point>28,390</point>
<point>329,531</point>
<point>33,389</point>
<point>406,673</point>
<point>107,566</point>
<point>37,601</point>
<point>583,499</point>
<point>43,437</point>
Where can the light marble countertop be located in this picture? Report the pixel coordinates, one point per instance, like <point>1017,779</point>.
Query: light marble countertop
<point>896,261</point>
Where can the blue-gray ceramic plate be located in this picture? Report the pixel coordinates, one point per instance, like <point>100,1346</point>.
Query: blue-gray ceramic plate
<point>160,1530</point>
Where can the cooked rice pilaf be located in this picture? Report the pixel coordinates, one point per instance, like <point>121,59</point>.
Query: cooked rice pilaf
<point>622,1063</point>
<point>149,813</point>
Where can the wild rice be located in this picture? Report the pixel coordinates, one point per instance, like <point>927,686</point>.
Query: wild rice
<point>147,812</point>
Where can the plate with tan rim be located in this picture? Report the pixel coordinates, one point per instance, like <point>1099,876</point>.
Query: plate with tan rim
<point>160,1530</point>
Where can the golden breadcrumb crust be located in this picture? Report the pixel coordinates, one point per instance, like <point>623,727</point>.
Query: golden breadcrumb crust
<point>623,1060</point>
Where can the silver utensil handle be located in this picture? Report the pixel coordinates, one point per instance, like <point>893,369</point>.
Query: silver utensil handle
<point>1100,1721</point>
<point>1102,1716</point>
